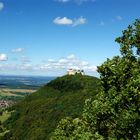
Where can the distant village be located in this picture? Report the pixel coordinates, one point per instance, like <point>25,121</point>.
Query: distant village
<point>5,103</point>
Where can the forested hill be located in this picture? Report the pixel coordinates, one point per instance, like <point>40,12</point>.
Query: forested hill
<point>36,117</point>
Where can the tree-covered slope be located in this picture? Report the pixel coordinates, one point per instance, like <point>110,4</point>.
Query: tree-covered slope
<point>36,117</point>
<point>115,112</point>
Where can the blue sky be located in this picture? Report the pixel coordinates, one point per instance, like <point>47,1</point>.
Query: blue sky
<point>46,37</point>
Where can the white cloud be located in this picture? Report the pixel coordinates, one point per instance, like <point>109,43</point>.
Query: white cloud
<point>84,63</point>
<point>3,57</point>
<point>63,21</point>
<point>17,50</point>
<point>5,66</point>
<point>1,6</point>
<point>63,61</point>
<point>72,56</point>
<point>90,68</point>
<point>25,59</point>
<point>67,21</point>
<point>26,66</point>
<point>51,60</point>
<point>79,21</point>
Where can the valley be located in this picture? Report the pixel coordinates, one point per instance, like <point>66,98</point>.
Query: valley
<point>15,88</point>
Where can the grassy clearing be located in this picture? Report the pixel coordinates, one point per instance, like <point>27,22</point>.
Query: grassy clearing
<point>5,116</point>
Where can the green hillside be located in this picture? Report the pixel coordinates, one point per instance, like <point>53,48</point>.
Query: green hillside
<point>36,117</point>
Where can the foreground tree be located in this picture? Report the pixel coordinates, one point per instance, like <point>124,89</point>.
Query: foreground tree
<point>115,114</point>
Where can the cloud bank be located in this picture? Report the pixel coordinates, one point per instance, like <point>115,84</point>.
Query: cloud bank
<point>68,62</point>
<point>53,66</point>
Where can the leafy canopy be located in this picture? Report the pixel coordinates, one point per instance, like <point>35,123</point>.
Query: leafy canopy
<point>115,113</point>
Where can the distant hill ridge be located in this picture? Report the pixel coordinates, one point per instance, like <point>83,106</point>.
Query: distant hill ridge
<point>36,117</point>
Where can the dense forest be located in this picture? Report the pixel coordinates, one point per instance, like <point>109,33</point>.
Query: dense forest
<point>36,117</point>
<point>84,107</point>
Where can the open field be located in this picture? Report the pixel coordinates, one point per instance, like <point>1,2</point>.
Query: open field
<point>14,92</point>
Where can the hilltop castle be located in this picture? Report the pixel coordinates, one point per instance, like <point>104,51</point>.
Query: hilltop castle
<point>74,71</point>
